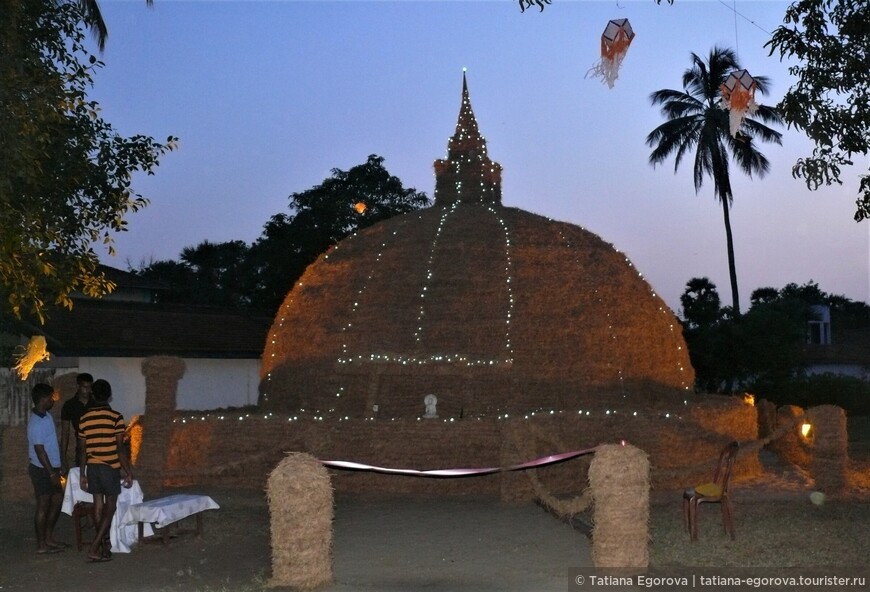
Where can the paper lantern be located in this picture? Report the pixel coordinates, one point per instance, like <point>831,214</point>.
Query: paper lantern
<point>360,207</point>
<point>615,40</point>
<point>35,352</point>
<point>738,96</point>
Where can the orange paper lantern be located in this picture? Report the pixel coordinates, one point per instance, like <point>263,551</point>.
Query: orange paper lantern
<point>738,96</point>
<point>615,40</point>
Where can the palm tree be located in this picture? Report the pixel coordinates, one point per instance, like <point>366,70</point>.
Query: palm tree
<point>94,20</point>
<point>697,121</point>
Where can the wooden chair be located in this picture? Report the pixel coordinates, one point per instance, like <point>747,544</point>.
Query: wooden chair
<point>716,491</point>
<point>83,517</point>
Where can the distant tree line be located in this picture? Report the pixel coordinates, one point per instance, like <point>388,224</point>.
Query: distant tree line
<point>261,274</point>
<point>763,350</point>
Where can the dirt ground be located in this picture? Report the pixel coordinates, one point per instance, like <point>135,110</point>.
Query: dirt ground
<point>454,544</point>
<point>380,544</point>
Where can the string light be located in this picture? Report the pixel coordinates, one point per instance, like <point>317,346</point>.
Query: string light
<point>466,178</point>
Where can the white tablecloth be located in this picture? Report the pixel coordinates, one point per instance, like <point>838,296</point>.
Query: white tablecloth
<point>122,537</point>
<point>167,510</point>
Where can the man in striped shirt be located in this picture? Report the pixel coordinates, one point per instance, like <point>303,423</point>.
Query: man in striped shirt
<point>101,432</point>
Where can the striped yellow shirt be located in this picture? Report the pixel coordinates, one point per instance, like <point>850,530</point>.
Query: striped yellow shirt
<point>99,426</point>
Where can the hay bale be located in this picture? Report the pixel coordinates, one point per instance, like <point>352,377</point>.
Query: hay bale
<point>830,446</point>
<point>301,508</point>
<point>619,478</point>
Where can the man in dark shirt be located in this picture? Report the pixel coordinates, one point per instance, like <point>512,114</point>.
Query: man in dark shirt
<point>101,433</point>
<point>70,415</point>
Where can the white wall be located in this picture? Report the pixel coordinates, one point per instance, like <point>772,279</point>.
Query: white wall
<point>206,384</point>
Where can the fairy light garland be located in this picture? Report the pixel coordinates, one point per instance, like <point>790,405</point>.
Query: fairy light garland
<point>535,414</point>
<point>467,178</point>
<point>666,311</point>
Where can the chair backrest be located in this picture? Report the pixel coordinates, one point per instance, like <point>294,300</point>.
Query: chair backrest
<point>726,462</point>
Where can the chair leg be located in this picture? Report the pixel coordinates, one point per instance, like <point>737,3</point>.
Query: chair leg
<point>685,514</point>
<point>693,519</point>
<point>728,518</point>
<point>82,512</point>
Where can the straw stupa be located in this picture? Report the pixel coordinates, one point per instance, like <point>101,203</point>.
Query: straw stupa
<point>492,309</point>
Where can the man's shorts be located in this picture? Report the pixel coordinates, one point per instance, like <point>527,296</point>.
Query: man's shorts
<point>103,479</point>
<point>42,483</point>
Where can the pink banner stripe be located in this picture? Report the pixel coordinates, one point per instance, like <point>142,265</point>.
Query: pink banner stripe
<point>538,462</point>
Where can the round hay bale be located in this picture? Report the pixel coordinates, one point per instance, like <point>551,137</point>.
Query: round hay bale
<point>619,479</point>
<point>830,445</point>
<point>301,508</point>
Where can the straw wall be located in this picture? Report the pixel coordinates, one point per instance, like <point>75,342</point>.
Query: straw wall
<point>241,449</point>
<point>14,481</point>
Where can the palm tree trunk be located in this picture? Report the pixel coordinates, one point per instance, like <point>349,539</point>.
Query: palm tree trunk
<point>732,267</point>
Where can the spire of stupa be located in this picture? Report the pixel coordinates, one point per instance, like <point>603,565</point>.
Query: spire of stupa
<point>467,174</point>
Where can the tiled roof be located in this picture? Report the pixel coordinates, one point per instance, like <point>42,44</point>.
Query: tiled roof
<point>132,329</point>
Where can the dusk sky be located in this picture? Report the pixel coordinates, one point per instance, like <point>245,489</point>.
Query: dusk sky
<point>267,97</point>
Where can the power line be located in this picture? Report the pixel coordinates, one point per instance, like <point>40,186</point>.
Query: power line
<point>744,17</point>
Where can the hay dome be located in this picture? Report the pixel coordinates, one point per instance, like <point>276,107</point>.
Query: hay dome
<point>492,309</point>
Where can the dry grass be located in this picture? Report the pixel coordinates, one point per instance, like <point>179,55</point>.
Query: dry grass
<point>770,533</point>
<point>777,524</point>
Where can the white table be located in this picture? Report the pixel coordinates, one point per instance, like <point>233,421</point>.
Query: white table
<point>164,511</point>
<point>123,536</point>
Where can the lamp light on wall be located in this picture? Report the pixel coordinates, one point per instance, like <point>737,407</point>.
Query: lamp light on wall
<point>806,429</point>
<point>749,399</point>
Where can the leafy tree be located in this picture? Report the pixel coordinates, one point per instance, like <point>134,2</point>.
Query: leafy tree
<point>830,101</point>
<point>259,276</point>
<point>221,271</point>
<point>762,349</point>
<point>322,216</point>
<point>696,121</point>
<point>701,303</point>
<point>177,277</point>
<point>65,174</point>
<point>209,274</point>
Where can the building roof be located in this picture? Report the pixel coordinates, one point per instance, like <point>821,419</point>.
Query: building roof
<point>848,346</point>
<point>134,329</point>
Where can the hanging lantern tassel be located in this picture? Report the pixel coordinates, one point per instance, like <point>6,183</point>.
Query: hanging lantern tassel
<point>34,352</point>
<point>615,40</point>
<point>738,96</point>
